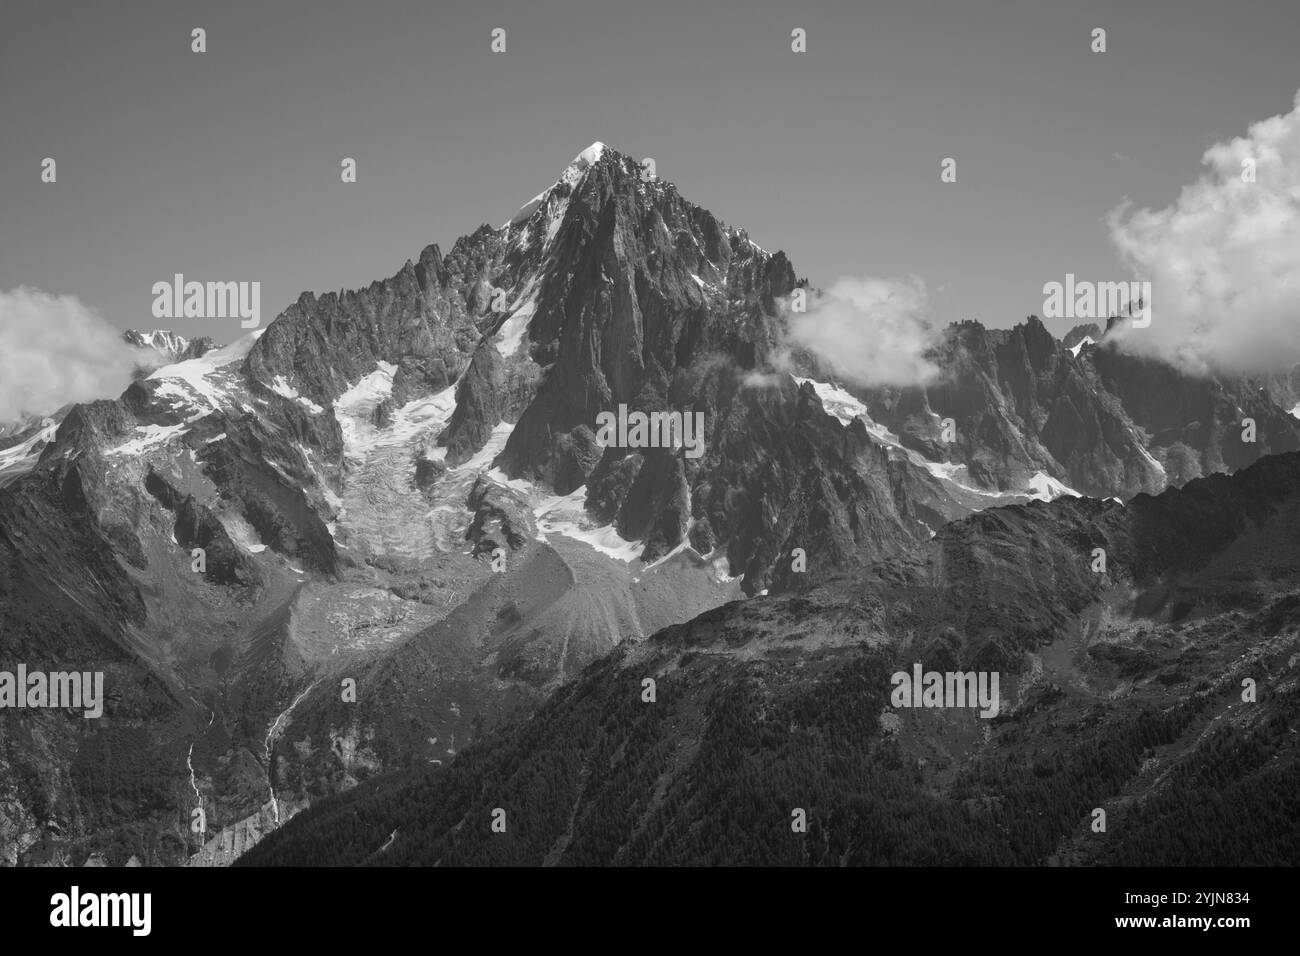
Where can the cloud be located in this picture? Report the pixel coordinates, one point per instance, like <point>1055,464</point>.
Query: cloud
<point>55,350</point>
<point>1224,259</point>
<point>757,379</point>
<point>869,331</point>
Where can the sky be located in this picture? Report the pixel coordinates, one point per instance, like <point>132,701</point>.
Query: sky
<point>225,165</point>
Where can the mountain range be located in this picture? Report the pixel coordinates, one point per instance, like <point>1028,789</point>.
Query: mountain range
<point>421,581</point>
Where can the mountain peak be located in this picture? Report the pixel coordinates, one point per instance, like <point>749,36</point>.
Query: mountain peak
<point>589,157</point>
<point>570,177</point>
<point>591,154</point>
<point>162,340</point>
<point>169,346</point>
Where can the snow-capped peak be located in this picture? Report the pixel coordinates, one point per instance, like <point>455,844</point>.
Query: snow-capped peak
<point>574,172</point>
<point>161,340</point>
<point>590,155</point>
<point>571,176</point>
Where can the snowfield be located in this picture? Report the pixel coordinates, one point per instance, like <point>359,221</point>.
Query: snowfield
<point>208,383</point>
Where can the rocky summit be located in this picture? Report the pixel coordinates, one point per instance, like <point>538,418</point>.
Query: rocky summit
<point>386,533</point>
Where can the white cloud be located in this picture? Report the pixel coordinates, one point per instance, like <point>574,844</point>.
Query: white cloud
<point>55,350</point>
<point>757,379</point>
<point>1224,259</point>
<point>869,331</point>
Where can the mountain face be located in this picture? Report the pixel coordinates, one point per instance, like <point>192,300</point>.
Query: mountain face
<point>1120,690</point>
<point>358,539</point>
<point>1093,418</point>
<point>364,537</point>
<point>607,290</point>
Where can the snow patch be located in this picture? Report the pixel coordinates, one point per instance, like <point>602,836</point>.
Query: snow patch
<point>1076,349</point>
<point>527,209</point>
<point>567,515</point>
<point>148,436</point>
<point>378,507</point>
<point>721,566</point>
<point>1147,457</point>
<point>1046,488</point>
<point>956,473</point>
<point>22,457</point>
<point>282,387</point>
<point>846,408</point>
<point>482,459</point>
<point>840,403</point>
<point>207,380</point>
<point>512,330</point>
<point>357,405</point>
<point>836,401</point>
<point>682,548</point>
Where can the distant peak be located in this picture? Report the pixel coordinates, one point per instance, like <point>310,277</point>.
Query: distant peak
<point>160,339</point>
<point>171,346</point>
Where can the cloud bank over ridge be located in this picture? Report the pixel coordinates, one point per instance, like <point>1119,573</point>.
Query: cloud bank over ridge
<point>1224,258</point>
<point>54,350</point>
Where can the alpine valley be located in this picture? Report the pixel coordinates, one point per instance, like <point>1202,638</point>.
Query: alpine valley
<point>362,577</point>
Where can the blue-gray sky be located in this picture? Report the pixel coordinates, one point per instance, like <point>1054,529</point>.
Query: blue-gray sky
<point>225,165</point>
